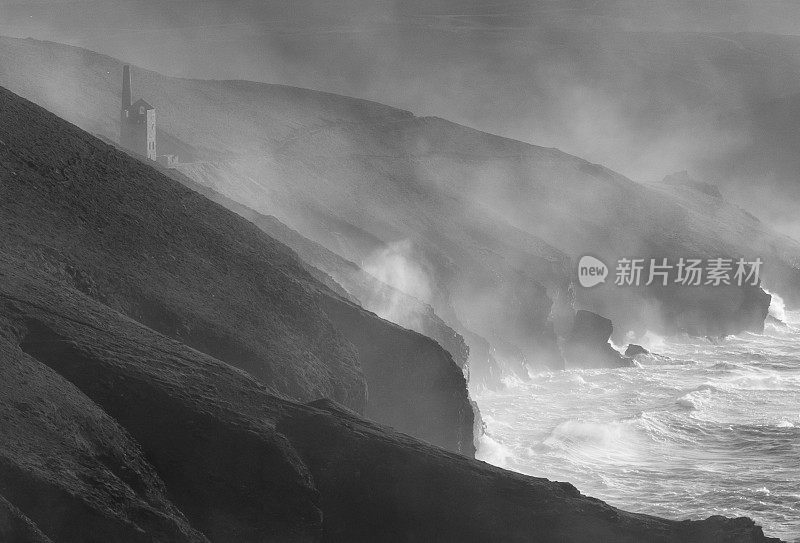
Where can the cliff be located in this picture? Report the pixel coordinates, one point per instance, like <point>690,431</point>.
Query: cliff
<point>587,344</point>
<point>492,227</point>
<point>352,281</point>
<point>167,443</point>
<point>119,424</point>
<point>146,246</point>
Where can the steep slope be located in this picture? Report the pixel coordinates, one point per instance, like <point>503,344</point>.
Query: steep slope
<point>353,281</point>
<point>68,466</point>
<point>222,464</point>
<point>146,246</point>
<point>238,463</point>
<point>113,431</point>
<point>492,227</point>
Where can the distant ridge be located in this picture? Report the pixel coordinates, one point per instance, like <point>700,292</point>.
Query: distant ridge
<point>497,224</point>
<point>117,426</point>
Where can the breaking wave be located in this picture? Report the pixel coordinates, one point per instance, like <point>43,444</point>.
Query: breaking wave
<point>699,430</point>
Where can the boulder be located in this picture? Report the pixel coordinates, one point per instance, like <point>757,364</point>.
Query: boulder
<point>634,350</point>
<point>587,345</point>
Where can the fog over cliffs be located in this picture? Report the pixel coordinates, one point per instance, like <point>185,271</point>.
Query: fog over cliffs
<point>646,89</point>
<point>485,231</point>
<point>329,262</point>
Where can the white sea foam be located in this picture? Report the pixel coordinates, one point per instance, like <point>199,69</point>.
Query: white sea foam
<point>659,439</point>
<point>777,307</point>
<point>492,452</point>
<point>652,342</point>
<point>597,441</point>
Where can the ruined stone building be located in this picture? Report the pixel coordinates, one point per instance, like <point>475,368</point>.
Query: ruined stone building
<point>137,131</point>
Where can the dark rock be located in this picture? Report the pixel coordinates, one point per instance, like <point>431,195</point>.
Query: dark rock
<point>242,464</point>
<point>414,492</point>
<point>587,345</point>
<point>223,466</point>
<point>65,464</point>
<point>345,277</point>
<point>392,381</point>
<point>409,381</point>
<point>634,350</point>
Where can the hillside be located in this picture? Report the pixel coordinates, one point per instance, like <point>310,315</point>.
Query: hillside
<point>645,88</point>
<point>356,284</point>
<point>118,427</point>
<point>112,228</point>
<point>488,229</point>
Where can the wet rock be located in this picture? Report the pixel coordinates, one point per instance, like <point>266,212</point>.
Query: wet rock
<point>587,345</point>
<point>634,350</point>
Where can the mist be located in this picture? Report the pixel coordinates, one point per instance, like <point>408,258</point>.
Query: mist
<point>396,266</point>
<point>645,89</point>
<point>376,210</point>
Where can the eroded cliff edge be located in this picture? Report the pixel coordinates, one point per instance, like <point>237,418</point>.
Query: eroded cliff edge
<point>155,349</point>
<point>144,245</point>
<point>356,176</point>
<point>163,442</point>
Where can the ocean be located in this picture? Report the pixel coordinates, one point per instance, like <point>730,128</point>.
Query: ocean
<point>701,429</point>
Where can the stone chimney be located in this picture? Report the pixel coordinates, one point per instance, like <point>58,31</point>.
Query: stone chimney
<point>126,87</point>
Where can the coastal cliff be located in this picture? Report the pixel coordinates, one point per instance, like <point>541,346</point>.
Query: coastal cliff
<point>361,179</point>
<point>146,246</point>
<point>169,373</point>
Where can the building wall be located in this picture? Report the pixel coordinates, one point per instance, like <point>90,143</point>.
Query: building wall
<point>138,132</point>
<point>151,135</point>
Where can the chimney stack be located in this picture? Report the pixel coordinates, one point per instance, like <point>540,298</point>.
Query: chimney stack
<point>126,86</point>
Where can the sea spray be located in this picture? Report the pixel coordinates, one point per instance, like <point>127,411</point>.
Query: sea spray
<point>703,430</point>
<point>777,307</point>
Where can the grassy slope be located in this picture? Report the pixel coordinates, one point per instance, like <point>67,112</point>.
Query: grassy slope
<point>492,219</point>
<point>356,283</point>
<point>167,440</point>
<point>145,245</point>
<point>154,418</point>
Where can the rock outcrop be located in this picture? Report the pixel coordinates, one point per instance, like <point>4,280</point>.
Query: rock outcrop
<point>634,350</point>
<point>587,345</point>
<point>176,445</point>
<point>416,493</point>
<point>179,428</point>
<point>346,278</point>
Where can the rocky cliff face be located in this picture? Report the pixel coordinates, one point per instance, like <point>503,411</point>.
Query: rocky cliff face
<point>455,499</point>
<point>358,177</point>
<point>587,344</point>
<point>168,444</point>
<point>144,245</point>
<point>351,281</point>
<point>119,425</point>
